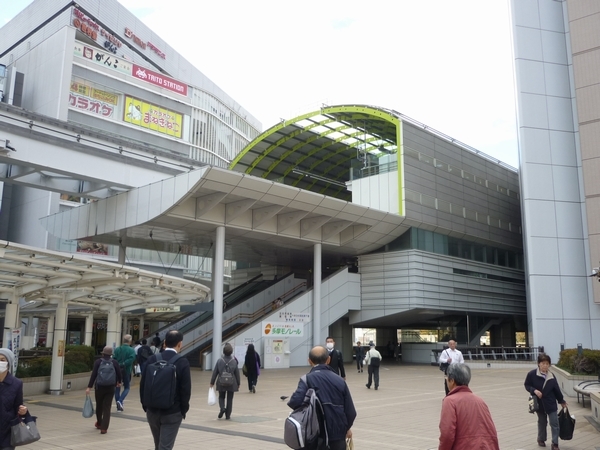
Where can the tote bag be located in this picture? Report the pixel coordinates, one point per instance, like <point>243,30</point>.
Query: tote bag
<point>23,431</point>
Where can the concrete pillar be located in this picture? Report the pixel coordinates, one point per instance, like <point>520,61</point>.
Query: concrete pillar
<point>29,330</point>
<point>113,336</point>
<point>50,332</point>
<point>58,350</point>
<point>316,312</point>
<point>124,328</point>
<point>217,276</point>
<point>141,328</point>
<point>89,326</point>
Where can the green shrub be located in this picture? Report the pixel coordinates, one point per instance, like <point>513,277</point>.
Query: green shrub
<point>78,359</point>
<point>588,363</point>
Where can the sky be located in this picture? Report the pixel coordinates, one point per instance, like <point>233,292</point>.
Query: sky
<point>445,63</point>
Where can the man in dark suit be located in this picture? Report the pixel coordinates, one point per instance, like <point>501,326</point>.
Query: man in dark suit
<point>164,423</point>
<point>336,360</point>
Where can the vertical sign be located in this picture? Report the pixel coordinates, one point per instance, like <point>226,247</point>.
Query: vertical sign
<point>15,344</point>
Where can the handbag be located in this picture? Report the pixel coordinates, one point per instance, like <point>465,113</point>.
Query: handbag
<point>212,397</point>
<point>23,431</point>
<point>88,407</point>
<point>534,405</point>
<point>566,424</point>
<point>245,370</point>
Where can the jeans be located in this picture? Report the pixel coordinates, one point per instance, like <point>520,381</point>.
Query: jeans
<point>126,385</point>
<point>164,428</point>
<point>543,423</point>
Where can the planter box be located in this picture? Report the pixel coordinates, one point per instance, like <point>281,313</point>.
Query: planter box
<point>41,385</point>
<point>567,382</point>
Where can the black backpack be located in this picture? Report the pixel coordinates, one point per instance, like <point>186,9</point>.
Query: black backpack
<point>226,377</point>
<point>144,353</point>
<point>107,375</point>
<point>160,383</point>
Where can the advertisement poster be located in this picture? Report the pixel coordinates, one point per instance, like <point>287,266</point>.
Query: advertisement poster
<point>152,117</point>
<point>93,100</point>
<point>283,329</point>
<point>102,58</point>
<point>61,348</point>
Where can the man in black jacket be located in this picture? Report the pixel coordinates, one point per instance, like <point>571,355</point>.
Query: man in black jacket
<point>164,423</point>
<point>334,395</point>
<point>336,360</point>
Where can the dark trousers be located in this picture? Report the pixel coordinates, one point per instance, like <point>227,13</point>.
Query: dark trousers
<point>164,428</point>
<point>252,380</point>
<point>229,406</point>
<point>337,445</point>
<point>104,396</point>
<point>359,363</point>
<point>373,373</point>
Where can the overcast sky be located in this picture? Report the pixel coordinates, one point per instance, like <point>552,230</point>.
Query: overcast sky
<point>445,63</point>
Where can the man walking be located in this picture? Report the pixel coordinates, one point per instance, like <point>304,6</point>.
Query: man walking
<point>143,353</point>
<point>336,360</point>
<point>465,422</point>
<point>360,356</point>
<point>165,422</point>
<point>125,355</point>
<point>448,357</point>
<point>373,361</point>
<point>106,375</point>
<point>333,394</point>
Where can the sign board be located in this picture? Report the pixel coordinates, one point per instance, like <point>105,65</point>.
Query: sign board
<point>103,59</point>
<point>61,348</point>
<point>159,80</point>
<point>15,345</point>
<point>167,309</point>
<point>147,115</point>
<point>294,317</point>
<point>282,329</point>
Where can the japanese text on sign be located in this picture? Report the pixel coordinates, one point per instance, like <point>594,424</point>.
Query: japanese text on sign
<point>294,317</point>
<point>279,329</point>
<point>104,59</point>
<point>152,117</point>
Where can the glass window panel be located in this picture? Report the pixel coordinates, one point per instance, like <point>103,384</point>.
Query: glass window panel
<point>440,244</point>
<point>426,159</point>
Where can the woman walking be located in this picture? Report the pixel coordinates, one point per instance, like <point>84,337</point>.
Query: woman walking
<point>226,369</point>
<point>541,383</point>
<point>11,397</point>
<point>252,363</point>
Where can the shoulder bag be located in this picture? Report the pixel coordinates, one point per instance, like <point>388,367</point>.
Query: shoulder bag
<point>23,430</point>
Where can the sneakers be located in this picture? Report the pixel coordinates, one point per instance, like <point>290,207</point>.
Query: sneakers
<point>254,389</point>
<point>120,406</point>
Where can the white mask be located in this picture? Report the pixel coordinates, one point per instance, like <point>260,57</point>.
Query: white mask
<point>329,345</point>
<point>3,366</point>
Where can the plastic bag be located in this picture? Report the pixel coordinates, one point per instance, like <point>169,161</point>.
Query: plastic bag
<point>349,444</point>
<point>566,424</point>
<point>88,407</point>
<point>212,397</point>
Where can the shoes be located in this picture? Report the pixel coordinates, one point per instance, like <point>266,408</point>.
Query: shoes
<point>376,387</point>
<point>254,389</point>
<point>360,370</point>
<point>120,406</point>
<point>554,447</point>
<point>227,417</point>
<point>221,413</point>
<point>103,431</point>
<point>368,387</point>
<point>541,443</point>
<point>97,425</point>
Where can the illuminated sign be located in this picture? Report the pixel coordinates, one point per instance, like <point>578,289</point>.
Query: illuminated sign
<point>152,117</point>
<point>131,35</point>
<point>159,80</point>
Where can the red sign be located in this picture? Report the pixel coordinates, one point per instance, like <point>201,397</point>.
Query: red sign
<point>159,80</point>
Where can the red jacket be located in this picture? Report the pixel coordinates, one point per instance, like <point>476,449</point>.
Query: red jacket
<point>466,422</point>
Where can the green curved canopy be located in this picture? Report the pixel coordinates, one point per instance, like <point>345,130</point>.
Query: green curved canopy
<point>322,150</point>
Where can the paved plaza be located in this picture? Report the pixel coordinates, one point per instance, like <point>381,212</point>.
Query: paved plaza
<point>402,414</point>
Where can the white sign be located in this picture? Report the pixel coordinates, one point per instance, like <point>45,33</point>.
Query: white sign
<point>248,341</point>
<point>15,344</point>
<point>282,329</point>
<point>167,309</point>
<point>294,317</point>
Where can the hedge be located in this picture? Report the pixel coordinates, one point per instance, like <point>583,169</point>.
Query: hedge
<point>78,359</point>
<point>588,363</point>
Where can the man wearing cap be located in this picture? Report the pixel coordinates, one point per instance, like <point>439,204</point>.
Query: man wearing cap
<point>11,397</point>
<point>373,361</point>
<point>104,392</point>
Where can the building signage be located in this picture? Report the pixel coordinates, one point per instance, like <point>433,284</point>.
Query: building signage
<point>131,35</point>
<point>152,117</point>
<point>95,31</point>
<point>294,317</point>
<point>159,310</point>
<point>159,80</point>
<point>102,58</point>
<point>282,329</point>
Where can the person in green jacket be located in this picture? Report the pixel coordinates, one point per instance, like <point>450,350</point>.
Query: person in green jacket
<point>125,355</point>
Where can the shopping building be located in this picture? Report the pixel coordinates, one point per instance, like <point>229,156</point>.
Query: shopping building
<point>355,215</point>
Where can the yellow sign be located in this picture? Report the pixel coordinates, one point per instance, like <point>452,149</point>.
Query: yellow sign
<point>61,348</point>
<point>103,96</point>
<point>152,117</point>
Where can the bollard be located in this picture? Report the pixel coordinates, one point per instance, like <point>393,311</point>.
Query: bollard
<point>579,349</point>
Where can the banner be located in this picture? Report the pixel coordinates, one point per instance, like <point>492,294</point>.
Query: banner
<point>282,329</point>
<point>15,345</point>
<point>152,117</point>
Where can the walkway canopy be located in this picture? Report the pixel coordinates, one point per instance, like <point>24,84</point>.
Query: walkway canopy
<point>322,150</point>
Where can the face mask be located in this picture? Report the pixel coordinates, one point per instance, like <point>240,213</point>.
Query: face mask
<point>3,366</point>
<point>329,345</point>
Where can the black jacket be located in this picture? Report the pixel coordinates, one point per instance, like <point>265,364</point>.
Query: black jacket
<point>251,361</point>
<point>184,383</point>
<point>335,397</point>
<point>337,362</point>
<point>11,397</point>
<point>96,367</point>
<point>550,393</point>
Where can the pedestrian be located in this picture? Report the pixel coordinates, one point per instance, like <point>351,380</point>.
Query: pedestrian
<point>155,346</point>
<point>359,353</point>
<point>336,360</point>
<point>542,383</point>
<point>450,356</point>
<point>143,353</point>
<point>465,422</point>
<point>164,423</point>
<point>137,370</point>
<point>334,395</point>
<point>104,381</point>
<point>125,356</point>
<point>252,363</point>
<point>228,364</point>
<point>11,397</point>
<point>373,361</point>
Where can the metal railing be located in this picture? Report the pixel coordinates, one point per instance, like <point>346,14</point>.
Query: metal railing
<point>490,354</point>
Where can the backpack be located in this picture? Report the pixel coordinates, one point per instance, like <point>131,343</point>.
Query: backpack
<point>144,353</point>
<point>160,383</point>
<point>226,377</point>
<point>107,375</point>
<point>305,425</point>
